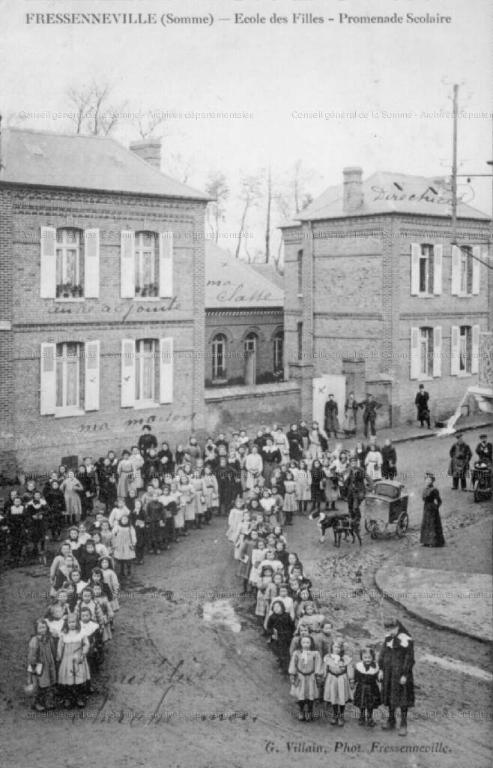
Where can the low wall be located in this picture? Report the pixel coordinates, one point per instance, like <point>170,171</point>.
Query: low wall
<point>251,407</point>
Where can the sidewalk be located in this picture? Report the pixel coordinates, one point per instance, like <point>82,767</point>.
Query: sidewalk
<point>405,433</point>
<point>449,587</point>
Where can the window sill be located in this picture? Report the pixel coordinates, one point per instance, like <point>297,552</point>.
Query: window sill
<point>222,380</point>
<point>147,298</point>
<point>299,295</point>
<point>465,295</point>
<point>70,298</point>
<point>65,412</point>
<point>141,404</point>
<point>426,378</point>
<point>465,374</point>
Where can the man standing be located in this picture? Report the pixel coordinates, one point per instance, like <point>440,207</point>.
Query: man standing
<point>460,457</point>
<point>396,662</point>
<point>421,403</point>
<point>389,460</point>
<point>355,491</point>
<point>484,450</point>
<point>369,406</point>
<point>331,416</point>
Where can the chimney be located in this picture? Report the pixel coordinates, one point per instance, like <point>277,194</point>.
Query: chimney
<point>353,189</point>
<point>148,150</point>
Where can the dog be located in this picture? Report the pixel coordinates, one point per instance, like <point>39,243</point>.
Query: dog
<point>340,522</point>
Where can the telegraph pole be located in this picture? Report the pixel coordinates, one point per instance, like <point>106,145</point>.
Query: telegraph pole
<point>454,165</point>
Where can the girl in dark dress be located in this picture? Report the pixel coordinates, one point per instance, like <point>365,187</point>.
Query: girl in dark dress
<point>367,693</point>
<point>431,525</point>
<point>318,477</point>
<point>280,629</point>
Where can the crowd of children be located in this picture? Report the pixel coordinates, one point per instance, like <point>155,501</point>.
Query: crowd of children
<point>318,663</point>
<point>113,511</point>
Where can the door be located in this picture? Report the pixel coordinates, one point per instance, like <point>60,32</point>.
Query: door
<point>251,359</point>
<point>323,386</point>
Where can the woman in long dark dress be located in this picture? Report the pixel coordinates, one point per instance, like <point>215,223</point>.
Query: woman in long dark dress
<point>228,486</point>
<point>396,662</point>
<point>280,628</point>
<point>431,525</point>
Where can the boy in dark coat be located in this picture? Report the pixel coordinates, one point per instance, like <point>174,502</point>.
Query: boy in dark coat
<point>396,662</point>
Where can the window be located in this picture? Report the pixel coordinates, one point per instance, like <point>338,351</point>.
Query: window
<point>68,263</point>
<point>68,383</point>
<point>219,356</point>
<point>465,348</point>
<point>251,343</point>
<point>299,331</point>
<point>299,264</point>
<point>465,269</point>
<point>145,370</point>
<point>426,269</point>
<point>146,284</point>
<point>278,349</point>
<point>426,351</point>
<point>146,265</point>
<point>69,378</point>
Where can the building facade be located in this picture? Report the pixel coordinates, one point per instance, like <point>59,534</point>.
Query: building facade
<point>382,295</point>
<point>102,299</point>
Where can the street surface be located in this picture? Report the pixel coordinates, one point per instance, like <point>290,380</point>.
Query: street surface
<point>190,683</point>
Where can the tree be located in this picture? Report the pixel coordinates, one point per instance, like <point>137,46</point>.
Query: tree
<point>250,193</point>
<point>94,110</point>
<point>217,187</point>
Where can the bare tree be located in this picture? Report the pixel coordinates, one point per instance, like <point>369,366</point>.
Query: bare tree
<point>217,187</point>
<point>178,166</point>
<point>250,193</point>
<point>149,123</point>
<point>95,112</point>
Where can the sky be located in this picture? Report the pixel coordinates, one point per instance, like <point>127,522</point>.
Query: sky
<point>289,84</point>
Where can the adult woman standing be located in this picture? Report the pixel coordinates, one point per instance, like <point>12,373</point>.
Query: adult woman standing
<point>71,488</point>
<point>431,525</point>
<point>350,412</point>
<point>253,466</point>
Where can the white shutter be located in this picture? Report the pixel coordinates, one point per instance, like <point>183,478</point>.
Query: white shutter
<point>128,373</point>
<point>475,349</point>
<point>414,370</point>
<point>455,270</point>
<point>48,263</point>
<point>166,370</point>
<point>415,254</point>
<point>48,379</point>
<point>476,267</point>
<point>91,392</point>
<point>166,264</point>
<point>437,269</point>
<point>454,350</point>
<point>127,265</point>
<point>91,263</point>
<point>437,351</point>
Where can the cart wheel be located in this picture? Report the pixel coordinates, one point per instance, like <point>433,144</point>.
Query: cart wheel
<point>402,524</point>
<point>373,529</point>
<point>476,497</point>
<point>369,525</point>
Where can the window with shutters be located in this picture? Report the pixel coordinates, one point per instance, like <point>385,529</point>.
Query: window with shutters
<point>146,384</point>
<point>69,382</point>
<point>465,348</point>
<point>219,343</point>
<point>278,352</point>
<point>465,270</point>
<point>426,352</point>
<point>69,264</point>
<point>426,265</point>
<point>146,265</point>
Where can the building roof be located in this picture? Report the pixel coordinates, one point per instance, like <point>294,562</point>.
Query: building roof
<point>234,284</point>
<point>75,161</point>
<point>386,192</point>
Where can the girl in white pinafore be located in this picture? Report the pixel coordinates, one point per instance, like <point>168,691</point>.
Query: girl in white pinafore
<point>73,670</point>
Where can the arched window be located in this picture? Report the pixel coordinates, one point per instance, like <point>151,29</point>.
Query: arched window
<point>69,263</point>
<point>250,347</point>
<point>219,356</point>
<point>251,342</point>
<point>146,279</point>
<point>278,352</point>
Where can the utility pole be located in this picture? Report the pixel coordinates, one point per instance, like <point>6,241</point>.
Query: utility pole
<point>454,165</point>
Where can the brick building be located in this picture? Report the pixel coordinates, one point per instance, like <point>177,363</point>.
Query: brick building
<point>243,322</point>
<point>378,299</point>
<point>102,298</point>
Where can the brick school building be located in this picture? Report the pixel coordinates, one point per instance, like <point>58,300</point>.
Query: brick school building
<point>380,299</point>
<point>102,298</point>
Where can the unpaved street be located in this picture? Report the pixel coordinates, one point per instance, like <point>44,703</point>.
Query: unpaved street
<point>181,691</point>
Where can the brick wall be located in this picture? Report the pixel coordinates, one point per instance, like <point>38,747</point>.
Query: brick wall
<point>250,407</point>
<point>235,325</point>
<point>40,441</point>
<point>7,448</point>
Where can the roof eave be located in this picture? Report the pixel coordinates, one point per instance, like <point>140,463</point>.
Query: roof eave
<point>92,190</point>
